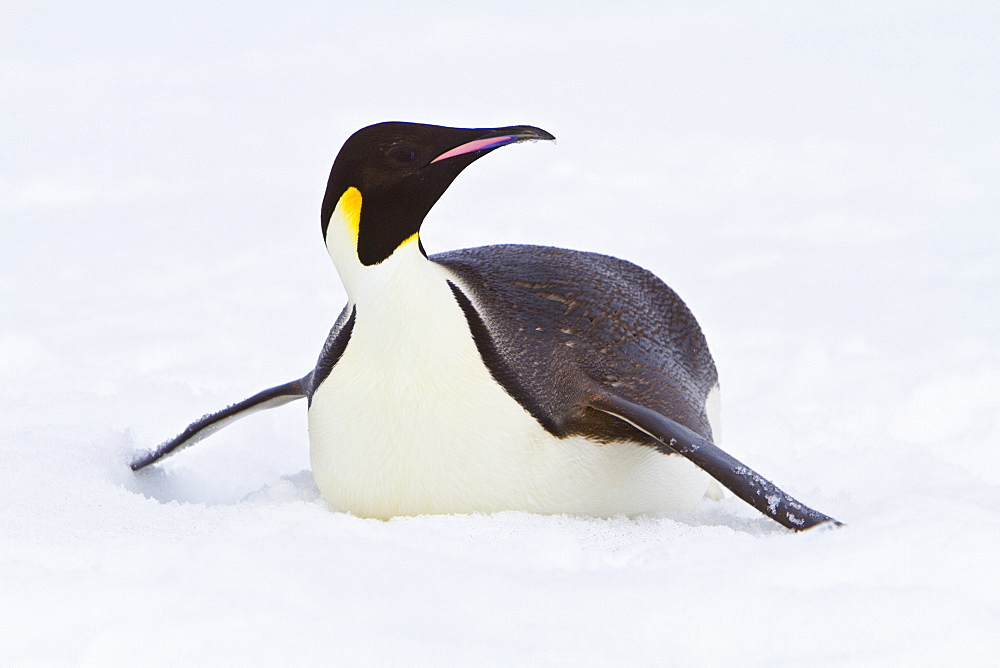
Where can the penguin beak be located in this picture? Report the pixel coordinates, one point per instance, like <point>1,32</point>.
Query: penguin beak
<point>495,139</point>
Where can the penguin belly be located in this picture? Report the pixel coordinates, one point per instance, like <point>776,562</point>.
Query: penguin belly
<point>410,422</point>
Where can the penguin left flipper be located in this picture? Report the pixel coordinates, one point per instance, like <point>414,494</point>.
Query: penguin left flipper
<point>736,476</point>
<point>211,423</point>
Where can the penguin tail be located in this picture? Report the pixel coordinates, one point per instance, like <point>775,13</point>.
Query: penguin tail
<point>740,479</point>
<point>211,423</point>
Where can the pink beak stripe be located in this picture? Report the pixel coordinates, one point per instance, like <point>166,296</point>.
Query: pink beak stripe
<point>477,145</point>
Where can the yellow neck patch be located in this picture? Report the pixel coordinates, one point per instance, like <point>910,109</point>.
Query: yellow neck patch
<point>350,211</point>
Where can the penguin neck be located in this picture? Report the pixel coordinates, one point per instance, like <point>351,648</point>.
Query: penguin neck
<point>377,283</point>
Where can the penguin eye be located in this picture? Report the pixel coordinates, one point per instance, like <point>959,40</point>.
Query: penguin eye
<point>403,154</point>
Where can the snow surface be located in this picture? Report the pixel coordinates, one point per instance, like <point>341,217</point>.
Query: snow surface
<point>819,182</point>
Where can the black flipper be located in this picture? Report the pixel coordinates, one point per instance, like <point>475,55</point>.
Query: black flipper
<point>209,424</point>
<point>739,478</point>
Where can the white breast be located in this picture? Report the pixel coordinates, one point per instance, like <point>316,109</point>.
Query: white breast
<point>411,422</point>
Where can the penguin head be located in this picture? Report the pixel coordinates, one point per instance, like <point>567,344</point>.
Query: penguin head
<point>388,176</point>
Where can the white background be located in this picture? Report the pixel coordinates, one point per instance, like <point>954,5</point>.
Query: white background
<point>819,182</point>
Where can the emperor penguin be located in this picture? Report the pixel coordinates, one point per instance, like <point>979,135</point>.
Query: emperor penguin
<point>506,377</point>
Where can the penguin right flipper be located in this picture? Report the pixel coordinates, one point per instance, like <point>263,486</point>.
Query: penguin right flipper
<point>736,476</point>
<point>209,424</point>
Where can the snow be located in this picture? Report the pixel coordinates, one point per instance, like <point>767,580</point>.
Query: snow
<point>820,183</point>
